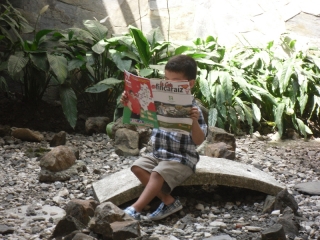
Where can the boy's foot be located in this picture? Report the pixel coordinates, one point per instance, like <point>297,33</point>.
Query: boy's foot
<point>132,213</point>
<point>164,210</point>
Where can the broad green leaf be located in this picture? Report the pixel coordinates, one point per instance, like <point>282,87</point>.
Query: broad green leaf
<point>16,64</point>
<point>100,46</point>
<point>111,81</point>
<point>278,117</point>
<point>69,104</point>
<point>222,110</point>
<point>316,61</point>
<point>213,116</point>
<point>303,101</point>
<point>123,65</point>
<point>240,112</point>
<point>41,34</point>
<point>220,97</point>
<point>98,30</point>
<point>145,72</point>
<point>204,88</point>
<point>6,33</point>
<point>255,94</point>
<point>40,61</point>
<point>59,66</point>
<point>90,69</point>
<point>207,61</point>
<point>285,75</point>
<point>83,34</point>
<point>249,115</point>
<point>213,76</point>
<point>256,112</point>
<point>74,64</point>
<point>226,84</point>
<point>98,88</point>
<point>233,117</point>
<point>142,45</point>
<point>181,50</point>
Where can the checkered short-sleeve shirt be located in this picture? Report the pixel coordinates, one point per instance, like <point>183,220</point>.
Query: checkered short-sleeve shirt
<point>174,146</point>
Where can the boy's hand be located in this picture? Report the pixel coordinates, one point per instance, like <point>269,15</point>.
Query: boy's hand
<point>194,114</point>
<point>124,98</point>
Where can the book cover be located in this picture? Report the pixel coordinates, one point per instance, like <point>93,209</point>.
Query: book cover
<point>158,103</point>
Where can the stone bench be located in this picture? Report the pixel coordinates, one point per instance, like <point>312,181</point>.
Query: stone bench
<point>123,186</point>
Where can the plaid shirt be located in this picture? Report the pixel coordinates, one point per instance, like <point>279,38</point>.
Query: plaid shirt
<point>173,146</point>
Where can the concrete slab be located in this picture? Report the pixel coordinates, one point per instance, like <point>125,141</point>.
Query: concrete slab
<point>123,186</point>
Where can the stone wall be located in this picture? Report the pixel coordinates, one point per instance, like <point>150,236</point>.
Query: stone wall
<point>231,21</point>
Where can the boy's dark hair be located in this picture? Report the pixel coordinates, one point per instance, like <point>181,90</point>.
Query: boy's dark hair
<point>183,64</point>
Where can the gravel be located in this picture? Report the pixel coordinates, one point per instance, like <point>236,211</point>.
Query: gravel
<point>209,211</point>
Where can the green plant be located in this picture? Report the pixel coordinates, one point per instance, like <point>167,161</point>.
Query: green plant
<point>12,25</point>
<point>37,63</point>
<point>95,64</point>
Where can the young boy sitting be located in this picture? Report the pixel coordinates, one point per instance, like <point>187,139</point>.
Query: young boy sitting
<point>174,156</point>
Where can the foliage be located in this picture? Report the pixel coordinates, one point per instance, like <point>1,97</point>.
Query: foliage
<point>36,63</point>
<point>12,25</point>
<point>275,85</point>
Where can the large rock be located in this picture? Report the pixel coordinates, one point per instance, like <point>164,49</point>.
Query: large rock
<point>220,150</point>
<point>126,142</point>
<point>96,124</point>
<point>25,134</point>
<point>216,135</point>
<point>58,159</point>
<point>64,175</point>
<point>59,139</point>
<point>123,186</point>
<point>125,230</point>
<point>82,210</point>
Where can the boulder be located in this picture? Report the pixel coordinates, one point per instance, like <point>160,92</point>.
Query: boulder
<point>96,124</point>
<point>58,159</point>
<point>126,142</point>
<point>25,134</point>
<point>59,139</point>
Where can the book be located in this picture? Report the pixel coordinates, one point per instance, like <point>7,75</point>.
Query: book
<point>158,103</point>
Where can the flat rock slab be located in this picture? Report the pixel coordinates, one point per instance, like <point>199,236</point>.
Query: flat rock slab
<point>123,186</point>
<point>312,188</point>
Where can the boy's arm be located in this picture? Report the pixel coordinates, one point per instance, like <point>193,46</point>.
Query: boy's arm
<point>198,133</point>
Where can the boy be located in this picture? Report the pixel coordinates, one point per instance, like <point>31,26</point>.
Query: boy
<point>174,156</point>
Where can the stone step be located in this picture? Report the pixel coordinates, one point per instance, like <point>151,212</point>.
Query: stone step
<point>123,186</point>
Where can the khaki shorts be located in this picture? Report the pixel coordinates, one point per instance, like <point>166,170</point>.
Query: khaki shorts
<point>173,173</point>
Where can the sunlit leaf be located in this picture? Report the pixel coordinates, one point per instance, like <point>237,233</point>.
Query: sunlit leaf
<point>213,115</point>
<point>256,112</point>
<point>98,30</point>
<point>278,117</point>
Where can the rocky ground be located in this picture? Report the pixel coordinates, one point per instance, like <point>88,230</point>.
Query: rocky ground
<point>29,209</point>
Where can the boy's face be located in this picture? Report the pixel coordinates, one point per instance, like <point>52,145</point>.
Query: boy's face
<point>177,76</point>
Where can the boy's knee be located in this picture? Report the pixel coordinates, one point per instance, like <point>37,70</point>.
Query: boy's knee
<point>136,169</point>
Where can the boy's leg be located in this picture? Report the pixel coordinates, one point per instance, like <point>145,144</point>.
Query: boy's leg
<point>153,183</point>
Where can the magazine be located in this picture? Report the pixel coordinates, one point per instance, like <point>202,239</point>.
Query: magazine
<point>158,103</point>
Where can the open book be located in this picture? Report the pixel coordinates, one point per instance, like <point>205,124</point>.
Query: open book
<point>158,103</point>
